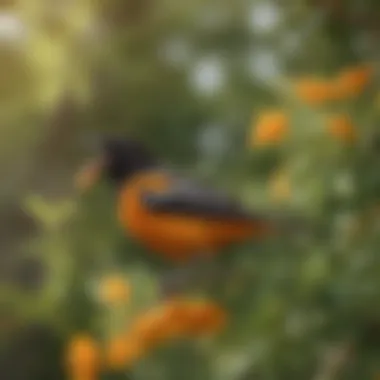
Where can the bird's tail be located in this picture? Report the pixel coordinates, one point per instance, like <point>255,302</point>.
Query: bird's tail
<point>274,223</point>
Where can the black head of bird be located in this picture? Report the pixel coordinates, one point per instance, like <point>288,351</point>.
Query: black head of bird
<point>119,159</point>
<point>124,158</point>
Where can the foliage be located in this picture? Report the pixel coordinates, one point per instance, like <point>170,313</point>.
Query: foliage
<point>194,80</point>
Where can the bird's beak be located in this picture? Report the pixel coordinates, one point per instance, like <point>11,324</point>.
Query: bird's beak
<point>89,175</point>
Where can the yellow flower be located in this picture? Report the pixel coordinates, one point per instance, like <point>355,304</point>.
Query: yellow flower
<point>270,128</point>
<point>83,358</point>
<point>315,91</point>
<point>341,128</point>
<point>114,290</point>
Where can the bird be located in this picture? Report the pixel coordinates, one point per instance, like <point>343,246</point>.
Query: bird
<point>173,215</point>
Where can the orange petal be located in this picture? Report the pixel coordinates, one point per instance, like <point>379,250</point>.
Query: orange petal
<point>122,352</point>
<point>314,91</point>
<point>353,80</point>
<point>270,128</point>
<point>341,127</point>
<point>83,356</point>
<point>205,318</point>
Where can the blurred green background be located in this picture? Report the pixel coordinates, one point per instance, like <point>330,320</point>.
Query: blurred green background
<point>189,79</point>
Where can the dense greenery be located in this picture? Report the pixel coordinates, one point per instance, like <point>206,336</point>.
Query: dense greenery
<point>192,79</point>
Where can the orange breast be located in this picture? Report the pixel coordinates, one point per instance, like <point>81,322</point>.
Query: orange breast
<point>177,237</point>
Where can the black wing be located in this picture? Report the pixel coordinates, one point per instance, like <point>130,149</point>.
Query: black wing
<point>187,197</point>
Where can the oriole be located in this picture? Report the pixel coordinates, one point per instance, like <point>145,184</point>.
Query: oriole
<point>172,215</point>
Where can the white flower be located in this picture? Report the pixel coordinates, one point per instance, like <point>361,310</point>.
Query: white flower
<point>264,17</point>
<point>12,28</point>
<point>264,64</point>
<point>208,76</point>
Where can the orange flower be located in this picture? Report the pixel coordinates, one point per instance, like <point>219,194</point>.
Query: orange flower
<point>280,186</point>
<point>175,319</point>
<point>341,127</point>
<point>159,324</point>
<point>204,318</point>
<point>271,128</point>
<point>123,351</point>
<point>176,315</point>
<point>83,358</point>
<point>352,81</point>
<point>114,290</point>
<point>314,90</point>
<point>189,316</point>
